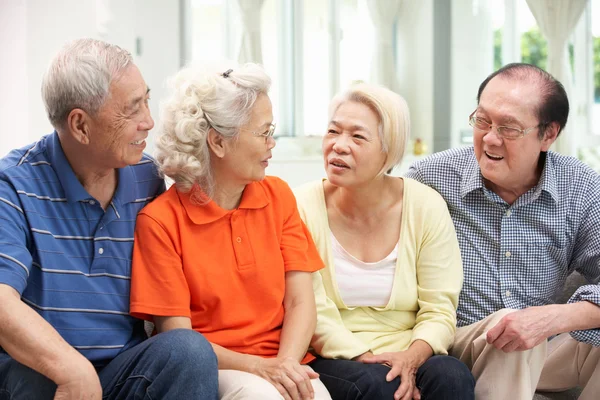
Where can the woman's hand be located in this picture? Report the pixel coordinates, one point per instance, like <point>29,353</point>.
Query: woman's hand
<point>403,364</point>
<point>291,379</point>
<point>363,356</point>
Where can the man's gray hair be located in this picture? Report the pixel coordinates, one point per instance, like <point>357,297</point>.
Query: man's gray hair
<point>79,76</point>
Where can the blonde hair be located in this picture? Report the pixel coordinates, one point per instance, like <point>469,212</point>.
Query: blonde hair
<point>393,113</point>
<point>204,97</point>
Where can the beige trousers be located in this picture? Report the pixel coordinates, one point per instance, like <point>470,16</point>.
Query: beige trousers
<point>238,385</point>
<point>557,365</point>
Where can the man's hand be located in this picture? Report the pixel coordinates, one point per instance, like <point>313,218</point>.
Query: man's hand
<point>291,379</point>
<point>523,329</point>
<point>404,365</point>
<point>82,384</point>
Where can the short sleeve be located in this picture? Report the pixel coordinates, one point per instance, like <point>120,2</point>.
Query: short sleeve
<point>158,284</point>
<point>15,258</point>
<point>297,247</point>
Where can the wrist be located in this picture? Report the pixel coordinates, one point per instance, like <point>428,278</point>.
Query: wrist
<point>67,367</point>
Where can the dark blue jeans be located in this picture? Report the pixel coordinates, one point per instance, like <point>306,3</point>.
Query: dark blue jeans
<point>440,378</point>
<point>179,364</point>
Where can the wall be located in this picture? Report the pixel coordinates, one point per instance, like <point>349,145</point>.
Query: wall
<point>32,31</point>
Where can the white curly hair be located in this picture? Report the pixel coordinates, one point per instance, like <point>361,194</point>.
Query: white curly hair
<point>203,97</point>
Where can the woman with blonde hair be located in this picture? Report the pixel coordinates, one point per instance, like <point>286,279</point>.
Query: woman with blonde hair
<point>386,299</point>
<point>224,251</point>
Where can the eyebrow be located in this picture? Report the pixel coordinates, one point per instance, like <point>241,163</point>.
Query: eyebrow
<point>504,119</point>
<point>355,127</point>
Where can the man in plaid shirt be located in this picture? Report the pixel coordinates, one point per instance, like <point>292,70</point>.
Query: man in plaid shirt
<point>526,218</point>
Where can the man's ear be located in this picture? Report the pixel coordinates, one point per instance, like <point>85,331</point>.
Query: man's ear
<point>217,143</point>
<point>78,125</point>
<point>550,135</point>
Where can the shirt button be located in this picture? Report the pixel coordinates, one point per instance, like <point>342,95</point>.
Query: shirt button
<point>507,293</point>
<point>508,213</point>
<point>238,239</point>
<point>507,254</point>
<point>100,250</point>
<point>92,202</point>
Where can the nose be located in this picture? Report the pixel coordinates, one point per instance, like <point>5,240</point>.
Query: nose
<point>340,144</point>
<point>271,143</point>
<point>492,137</point>
<point>147,122</point>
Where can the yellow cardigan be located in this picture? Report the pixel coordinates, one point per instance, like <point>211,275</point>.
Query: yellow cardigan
<point>426,286</point>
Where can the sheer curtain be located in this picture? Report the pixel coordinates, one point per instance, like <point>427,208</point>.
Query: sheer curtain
<point>251,47</point>
<point>384,14</point>
<point>557,20</point>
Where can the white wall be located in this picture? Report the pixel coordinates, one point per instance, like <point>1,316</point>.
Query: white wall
<point>14,122</point>
<point>32,31</point>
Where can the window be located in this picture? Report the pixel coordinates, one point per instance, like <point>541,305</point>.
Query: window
<point>596,65</point>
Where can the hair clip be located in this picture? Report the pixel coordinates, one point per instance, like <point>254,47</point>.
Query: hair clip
<point>226,73</point>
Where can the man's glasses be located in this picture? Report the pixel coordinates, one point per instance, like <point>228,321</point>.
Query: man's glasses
<point>507,132</point>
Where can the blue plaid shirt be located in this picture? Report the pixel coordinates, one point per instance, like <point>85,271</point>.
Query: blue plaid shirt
<point>519,255</point>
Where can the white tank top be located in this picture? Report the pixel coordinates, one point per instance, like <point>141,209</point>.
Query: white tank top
<point>363,284</point>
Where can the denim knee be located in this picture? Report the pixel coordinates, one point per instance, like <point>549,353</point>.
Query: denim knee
<point>186,348</point>
<point>373,384</point>
<point>447,376</point>
<point>18,381</point>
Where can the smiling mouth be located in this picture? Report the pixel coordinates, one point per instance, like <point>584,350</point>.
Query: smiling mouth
<point>138,142</point>
<point>493,157</point>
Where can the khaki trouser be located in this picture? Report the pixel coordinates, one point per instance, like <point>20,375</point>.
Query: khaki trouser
<point>553,366</point>
<point>239,385</point>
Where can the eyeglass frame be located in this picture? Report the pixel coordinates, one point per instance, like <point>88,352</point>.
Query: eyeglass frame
<point>523,132</point>
<point>269,134</point>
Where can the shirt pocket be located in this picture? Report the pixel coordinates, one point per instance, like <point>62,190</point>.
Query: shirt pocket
<point>543,273</point>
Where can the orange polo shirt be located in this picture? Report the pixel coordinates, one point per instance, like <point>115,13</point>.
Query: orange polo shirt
<point>224,269</point>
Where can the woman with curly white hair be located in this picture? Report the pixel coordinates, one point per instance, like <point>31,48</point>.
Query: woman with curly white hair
<point>224,251</point>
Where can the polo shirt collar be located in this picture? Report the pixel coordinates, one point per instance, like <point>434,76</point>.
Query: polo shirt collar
<point>254,197</point>
<point>74,190</point>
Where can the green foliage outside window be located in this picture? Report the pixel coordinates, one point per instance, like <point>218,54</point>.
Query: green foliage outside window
<point>534,50</point>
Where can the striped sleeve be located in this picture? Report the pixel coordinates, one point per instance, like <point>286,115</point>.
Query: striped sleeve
<point>15,258</point>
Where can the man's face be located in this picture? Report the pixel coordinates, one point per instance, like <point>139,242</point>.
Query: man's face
<point>119,130</point>
<point>509,164</point>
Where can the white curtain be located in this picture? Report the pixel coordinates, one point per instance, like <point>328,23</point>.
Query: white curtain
<point>557,20</point>
<point>250,48</point>
<point>384,14</point>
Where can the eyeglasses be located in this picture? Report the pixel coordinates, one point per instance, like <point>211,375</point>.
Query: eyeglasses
<point>506,132</point>
<point>266,134</point>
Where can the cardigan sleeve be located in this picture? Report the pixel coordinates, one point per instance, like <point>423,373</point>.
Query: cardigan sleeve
<point>439,277</point>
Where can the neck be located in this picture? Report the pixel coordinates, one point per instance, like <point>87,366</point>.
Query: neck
<point>99,182</point>
<point>227,193</point>
<point>512,193</point>
<point>354,201</point>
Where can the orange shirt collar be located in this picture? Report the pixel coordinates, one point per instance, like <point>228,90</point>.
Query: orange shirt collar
<point>254,197</point>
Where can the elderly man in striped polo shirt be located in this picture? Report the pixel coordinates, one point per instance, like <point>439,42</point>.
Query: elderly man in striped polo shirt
<point>526,218</point>
<point>68,205</point>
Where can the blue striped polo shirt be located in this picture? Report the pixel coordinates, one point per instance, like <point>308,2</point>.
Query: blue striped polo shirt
<point>69,258</point>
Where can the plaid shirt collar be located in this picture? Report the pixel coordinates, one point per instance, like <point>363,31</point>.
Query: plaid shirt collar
<point>472,180</point>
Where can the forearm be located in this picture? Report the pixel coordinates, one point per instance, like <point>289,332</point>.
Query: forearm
<point>32,341</point>
<point>298,327</point>
<point>227,359</point>
<point>578,316</point>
